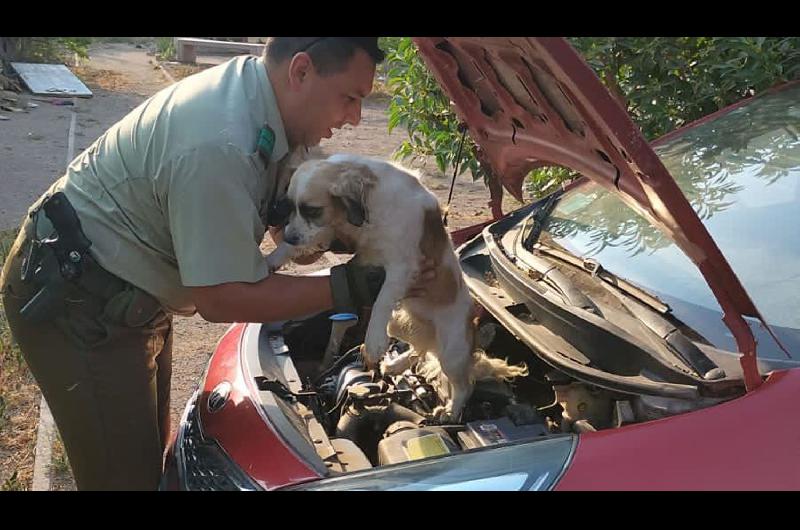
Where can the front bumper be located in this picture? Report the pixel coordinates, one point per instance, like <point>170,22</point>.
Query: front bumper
<point>198,463</point>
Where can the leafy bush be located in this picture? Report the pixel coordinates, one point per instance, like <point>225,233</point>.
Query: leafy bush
<point>49,49</point>
<point>165,48</point>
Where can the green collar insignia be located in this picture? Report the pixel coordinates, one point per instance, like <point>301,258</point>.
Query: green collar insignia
<point>266,142</point>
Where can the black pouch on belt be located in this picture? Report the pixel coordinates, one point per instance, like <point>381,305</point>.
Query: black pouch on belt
<point>132,307</point>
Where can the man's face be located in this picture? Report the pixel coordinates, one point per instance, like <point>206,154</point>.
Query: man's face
<point>331,101</point>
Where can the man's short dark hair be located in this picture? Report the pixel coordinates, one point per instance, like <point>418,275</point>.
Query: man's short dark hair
<point>329,54</point>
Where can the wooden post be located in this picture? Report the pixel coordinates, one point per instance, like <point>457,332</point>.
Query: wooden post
<point>185,52</point>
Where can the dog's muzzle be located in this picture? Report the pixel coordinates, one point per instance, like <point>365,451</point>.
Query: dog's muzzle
<point>291,239</point>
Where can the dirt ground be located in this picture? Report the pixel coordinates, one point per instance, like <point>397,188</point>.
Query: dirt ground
<point>33,150</point>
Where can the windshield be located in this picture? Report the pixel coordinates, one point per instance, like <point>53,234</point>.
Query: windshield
<point>741,174</point>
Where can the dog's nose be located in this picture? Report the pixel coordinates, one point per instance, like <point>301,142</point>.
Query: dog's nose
<point>291,239</point>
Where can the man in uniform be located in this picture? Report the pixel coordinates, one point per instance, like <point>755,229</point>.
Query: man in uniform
<point>164,215</point>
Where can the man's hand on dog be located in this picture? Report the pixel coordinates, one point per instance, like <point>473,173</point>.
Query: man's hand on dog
<point>364,283</point>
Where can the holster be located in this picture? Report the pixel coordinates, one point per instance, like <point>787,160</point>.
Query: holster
<point>61,267</point>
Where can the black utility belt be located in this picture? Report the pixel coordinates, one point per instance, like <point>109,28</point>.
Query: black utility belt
<point>61,261</point>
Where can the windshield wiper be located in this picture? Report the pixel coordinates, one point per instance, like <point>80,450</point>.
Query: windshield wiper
<point>672,336</point>
<point>647,309</point>
<point>538,218</point>
<point>594,268</point>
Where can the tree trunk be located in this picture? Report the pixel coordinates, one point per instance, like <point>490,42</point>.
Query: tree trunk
<point>5,48</point>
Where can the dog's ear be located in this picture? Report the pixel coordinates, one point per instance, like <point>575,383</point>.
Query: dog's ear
<point>349,190</point>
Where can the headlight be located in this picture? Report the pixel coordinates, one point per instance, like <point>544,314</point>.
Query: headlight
<point>202,464</point>
<point>527,466</point>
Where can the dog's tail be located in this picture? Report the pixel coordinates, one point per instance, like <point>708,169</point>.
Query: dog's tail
<point>486,367</point>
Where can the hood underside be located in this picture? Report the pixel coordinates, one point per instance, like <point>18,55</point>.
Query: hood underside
<point>533,102</point>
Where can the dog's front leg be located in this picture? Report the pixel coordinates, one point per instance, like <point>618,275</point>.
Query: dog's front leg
<point>280,256</point>
<point>377,339</point>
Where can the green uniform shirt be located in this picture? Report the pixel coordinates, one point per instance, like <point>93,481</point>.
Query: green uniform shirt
<point>175,195</point>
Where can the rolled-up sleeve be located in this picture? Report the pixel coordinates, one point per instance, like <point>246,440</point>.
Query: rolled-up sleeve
<point>213,217</point>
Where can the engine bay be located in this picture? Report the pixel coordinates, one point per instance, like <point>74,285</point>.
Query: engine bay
<point>356,418</point>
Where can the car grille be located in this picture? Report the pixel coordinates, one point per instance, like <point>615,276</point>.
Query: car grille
<point>204,465</point>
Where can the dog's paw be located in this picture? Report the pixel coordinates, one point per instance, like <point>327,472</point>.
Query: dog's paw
<point>397,364</point>
<point>273,262</point>
<point>280,256</point>
<point>443,415</point>
<point>374,348</point>
<point>369,362</point>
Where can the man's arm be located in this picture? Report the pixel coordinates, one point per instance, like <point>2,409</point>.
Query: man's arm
<point>276,297</point>
<point>281,297</point>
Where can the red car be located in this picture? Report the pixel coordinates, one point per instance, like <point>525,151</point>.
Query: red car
<point>660,357</point>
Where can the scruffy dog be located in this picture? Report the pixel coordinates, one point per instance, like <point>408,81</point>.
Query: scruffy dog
<point>383,212</point>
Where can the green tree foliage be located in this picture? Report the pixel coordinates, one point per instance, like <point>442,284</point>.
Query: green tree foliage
<point>668,82</point>
<point>419,105</point>
<point>49,49</point>
<point>663,82</point>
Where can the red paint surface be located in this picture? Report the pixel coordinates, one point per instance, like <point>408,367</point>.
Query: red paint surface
<point>750,443</point>
<point>240,429</point>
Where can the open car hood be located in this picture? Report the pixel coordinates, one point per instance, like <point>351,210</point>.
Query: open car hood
<point>531,102</point>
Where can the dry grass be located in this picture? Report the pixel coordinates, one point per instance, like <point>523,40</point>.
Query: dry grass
<point>60,463</point>
<point>19,413</point>
<point>19,404</point>
<point>96,78</point>
<point>181,71</point>
<point>60,473</point>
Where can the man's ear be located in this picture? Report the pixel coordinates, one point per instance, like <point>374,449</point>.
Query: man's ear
<point>349,191</point>
<point>299,68</point>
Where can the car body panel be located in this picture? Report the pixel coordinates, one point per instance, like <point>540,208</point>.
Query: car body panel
<point>242,431</point>
<point>749,443</point>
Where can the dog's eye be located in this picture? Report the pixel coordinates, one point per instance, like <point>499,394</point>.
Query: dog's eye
<point>279,212</point>
<point>310,212</point>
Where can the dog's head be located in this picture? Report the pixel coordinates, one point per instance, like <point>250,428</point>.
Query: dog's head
<point>328,199</point>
